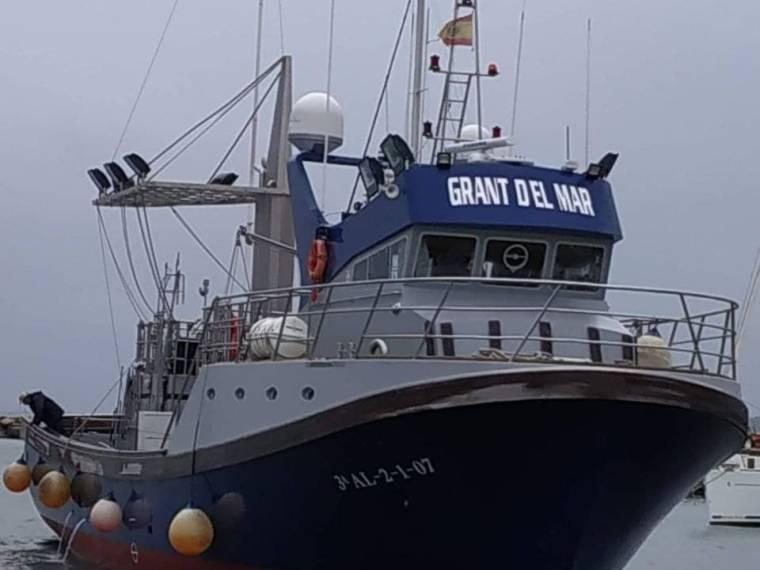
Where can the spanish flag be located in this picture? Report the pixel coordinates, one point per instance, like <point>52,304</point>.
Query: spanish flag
<point>457,32</point>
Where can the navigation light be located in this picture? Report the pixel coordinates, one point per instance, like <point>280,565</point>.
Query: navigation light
<point>225,179</point>
<point>444,160</point>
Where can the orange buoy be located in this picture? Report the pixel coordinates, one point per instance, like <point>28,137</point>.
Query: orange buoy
<point>17,477</point>
<point>191,532</point>
<point>54,490</point>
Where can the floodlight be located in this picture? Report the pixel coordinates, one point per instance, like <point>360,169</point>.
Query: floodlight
<point>99,179</point>
<point>137,164</point>
<point>225,178</point>
<point>397,153</point>
<point>118,177</point>
<point>444,159</point>
<point>372,174</point>
<point>603,168</point>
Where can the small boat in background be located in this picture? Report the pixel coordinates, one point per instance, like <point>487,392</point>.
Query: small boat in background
<point>733,488</point>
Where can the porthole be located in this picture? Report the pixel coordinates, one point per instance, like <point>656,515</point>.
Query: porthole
<point>211,393</point>
<point>308,393</point>
<point>272,393</point>
<point>240,393</point>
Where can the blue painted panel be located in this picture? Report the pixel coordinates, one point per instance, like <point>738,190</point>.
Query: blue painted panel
<point>480,195</point>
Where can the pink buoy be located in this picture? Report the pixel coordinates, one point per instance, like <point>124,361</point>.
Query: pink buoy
<point>106,515</point>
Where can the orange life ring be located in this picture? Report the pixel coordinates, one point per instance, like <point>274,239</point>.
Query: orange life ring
<point>317,260</point>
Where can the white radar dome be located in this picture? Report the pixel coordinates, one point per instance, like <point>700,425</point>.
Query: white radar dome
<point>470,133</point>
<point>313,119</point>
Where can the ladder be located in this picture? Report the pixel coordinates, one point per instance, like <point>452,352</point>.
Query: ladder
<point>456,91</point>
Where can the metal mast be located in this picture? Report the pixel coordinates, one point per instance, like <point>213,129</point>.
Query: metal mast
<point>419,69</point>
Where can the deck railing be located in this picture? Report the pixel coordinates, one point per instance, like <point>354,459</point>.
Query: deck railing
<point>697,330</point>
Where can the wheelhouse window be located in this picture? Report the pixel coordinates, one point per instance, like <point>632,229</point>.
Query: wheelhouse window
<point>360,270</point>
<point>385,263</point>
<point>579,263</point>
<point>445,256</point>
<point>514,259</point>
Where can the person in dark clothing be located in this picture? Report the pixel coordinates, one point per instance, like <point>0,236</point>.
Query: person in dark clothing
<point>45,411</point>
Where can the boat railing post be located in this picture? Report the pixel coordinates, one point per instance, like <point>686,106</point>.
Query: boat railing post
<point>282,324</point>
<point>369,316</point>
<point>726,324</point>
<point>537,320</point>
<point>733,342</point>
<point>322,316</point>
<point>694,339</point>
<point>431,325</point>
<point>700,330</point>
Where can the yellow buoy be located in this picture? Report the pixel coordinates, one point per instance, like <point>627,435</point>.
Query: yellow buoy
<point>54,490</point>
<point>17,477</point>
<point>191,532</point>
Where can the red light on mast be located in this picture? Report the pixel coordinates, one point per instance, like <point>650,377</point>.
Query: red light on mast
<point>493,70</point>
<point>435,63</point>
<point>427,130</point>
<point>496,132</point>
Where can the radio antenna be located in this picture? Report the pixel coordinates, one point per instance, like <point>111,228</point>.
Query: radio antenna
<point>567,143</point>
<point>588,88</point>
<point>517,70</point>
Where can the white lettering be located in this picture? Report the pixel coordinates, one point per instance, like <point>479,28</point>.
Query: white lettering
<point>493,193</point>
<point>502,184</point>
<point>466,184</point>
<point>577,205</point>
<point>455,192</point>
<point>563,198</point>
<point>521,191</point>
<point>480,192</point>
<point>588,207</point>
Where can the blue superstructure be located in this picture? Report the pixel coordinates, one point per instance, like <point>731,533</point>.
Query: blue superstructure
<point>496,195</point>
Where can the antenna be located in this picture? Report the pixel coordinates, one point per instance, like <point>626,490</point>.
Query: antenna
<point>419,46</point>
<point>588,88</point>
<point>255,121</point>
<point>567,143</point>
<point>517,71</point>
<point>476,18</point>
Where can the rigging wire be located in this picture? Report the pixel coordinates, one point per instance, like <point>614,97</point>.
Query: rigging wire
<point>520,42</point>
<point>108,293</point>
<point>234,100</point>
<point>146,77</point>
<point>233,265</point>
<point>243,130</point>
<point>331,44</point>
<point>150,254</point>
<point>125,284</point>
<point>205,248</point>
<point>383,93</point>
<point>282,28</point>
<point>131,261</point>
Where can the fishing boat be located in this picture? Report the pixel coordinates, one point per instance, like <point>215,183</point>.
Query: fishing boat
<point>449,380</point>
<point>732,489</point>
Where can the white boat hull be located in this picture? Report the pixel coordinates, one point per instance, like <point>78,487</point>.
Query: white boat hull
<point>733,491</point>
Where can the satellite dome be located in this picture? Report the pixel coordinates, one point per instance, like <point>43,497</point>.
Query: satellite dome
<point>312,119</point>
<point>470,133</point>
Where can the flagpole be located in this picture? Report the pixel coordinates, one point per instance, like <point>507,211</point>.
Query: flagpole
<point>418,71</point>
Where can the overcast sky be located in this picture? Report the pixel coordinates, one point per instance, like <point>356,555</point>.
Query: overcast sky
<point>676,87</point>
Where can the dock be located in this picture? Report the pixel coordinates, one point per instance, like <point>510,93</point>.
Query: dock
<point>10,427</point>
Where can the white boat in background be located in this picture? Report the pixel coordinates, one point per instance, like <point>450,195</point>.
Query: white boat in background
<point>733,488</point>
